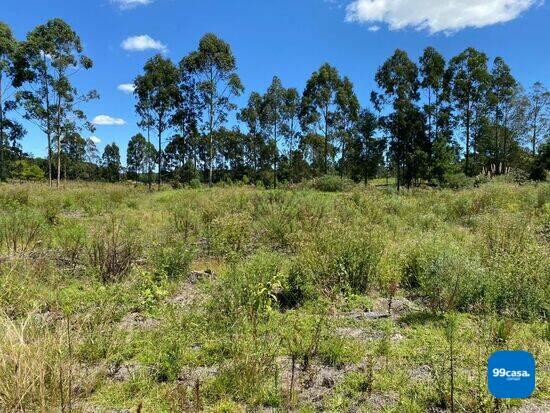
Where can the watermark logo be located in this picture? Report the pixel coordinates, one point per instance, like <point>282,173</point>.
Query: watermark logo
<point>511,374</point>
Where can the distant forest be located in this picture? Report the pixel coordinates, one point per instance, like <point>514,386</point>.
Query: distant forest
<point>427,123</point>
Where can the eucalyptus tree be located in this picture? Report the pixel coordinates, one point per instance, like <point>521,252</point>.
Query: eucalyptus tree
<point>138,156</point>
<point>432,72</point>
<point>143,109</point>
<point>319,107</point>
<point>157,90</point>
<point>437,108</point>
<point>469,82</point>
<point>54,53</point>
<point>290,129</point>
<point>252,116</point>
<point>111,162</point>
<point>214,68</point>
<point>538,115</point>
<point>502,94</point>
<point>8,47</point>
<point>410,146</point>
<point>365,153</point>
<point>347,117</point>
<point>273,112</point>
<point>185,115</point>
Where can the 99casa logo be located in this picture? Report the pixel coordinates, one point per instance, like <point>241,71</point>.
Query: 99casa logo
<point>511,374</point>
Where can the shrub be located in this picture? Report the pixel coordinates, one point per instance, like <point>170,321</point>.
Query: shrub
<point>173,261</point>
<point>112,252</point>
<point>459,181</point>
<point>331,183</point>
<point>195,183</point>
<point>21,230</point>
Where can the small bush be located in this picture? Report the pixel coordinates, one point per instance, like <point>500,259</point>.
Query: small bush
<point>112,252</point>
<point>331,183</point>
<point>173,261</point>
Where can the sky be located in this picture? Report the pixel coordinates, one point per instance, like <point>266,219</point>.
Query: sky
<point>287,38</point>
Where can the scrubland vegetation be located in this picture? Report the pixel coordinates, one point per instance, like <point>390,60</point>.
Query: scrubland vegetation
<point>233,299</point>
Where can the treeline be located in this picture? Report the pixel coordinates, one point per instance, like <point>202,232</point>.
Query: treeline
<point>430,120</point>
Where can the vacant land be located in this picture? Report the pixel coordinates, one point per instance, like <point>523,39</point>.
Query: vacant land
<point>239,299</point>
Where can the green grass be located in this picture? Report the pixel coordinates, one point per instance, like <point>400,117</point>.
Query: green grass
<point>97,309</point>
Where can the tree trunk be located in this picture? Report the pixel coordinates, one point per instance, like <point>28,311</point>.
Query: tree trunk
<point>326,140</point>
<point>2,150</point>
<point>275,157</point>
<point>160,158</point>
<point>58,182</point>
<point>149,171</point>
<point>467,160</point>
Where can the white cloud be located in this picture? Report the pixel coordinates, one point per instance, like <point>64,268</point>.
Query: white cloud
<point>126,87</point>
<point>373,28</point>
<point>436,15</point>
<point>143,42</point>
<point>95,139</point>
<point>130,4</point>
<point>107,120</point>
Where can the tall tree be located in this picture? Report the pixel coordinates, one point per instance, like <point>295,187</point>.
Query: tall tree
<point>437,109</point>
<point>469,81</point>
<point>274,103</point>
<point>365,152</point>
<point>54,53</point>
<point>185,115</point>
<point>140,153</point>
<point>347,117</point>
<point>8,47</point>
<point>158,92</point>
<point>111,162</point>
<point>432,71</point>
<point>410,145</point>
<point>538,115</point>
<point>320,106</point>
<point>291,124</point>
<point>252,116</point>
<point>214,67</point>
<point>501,97</point>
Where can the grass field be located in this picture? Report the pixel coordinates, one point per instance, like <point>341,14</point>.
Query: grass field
<point>233,299</point>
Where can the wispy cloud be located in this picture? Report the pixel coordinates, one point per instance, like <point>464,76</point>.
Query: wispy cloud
<point>95,139</point>
<point>143,42</point>
<point>373,28</point>
<point>104,120</point>
<point>126,87</point>
<point>437,15</point>
<point>130,4</point>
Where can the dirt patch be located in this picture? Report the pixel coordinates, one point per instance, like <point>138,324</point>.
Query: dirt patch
<point>190,375</point>
<point>533,406</point>
<point>399,307</point>
<point>313,384</point>
<point>189,293</point>
<point>359,333</point>
<point>137,321</point>
<point>362,315</point>
<point>124,371</point>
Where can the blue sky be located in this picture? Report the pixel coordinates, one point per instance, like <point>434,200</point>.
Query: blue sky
<point>287,38</point>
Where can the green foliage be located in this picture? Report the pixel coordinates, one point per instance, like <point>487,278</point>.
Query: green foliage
<point>173,261</point>
<point>331,183</point>
<point>27,171</point>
